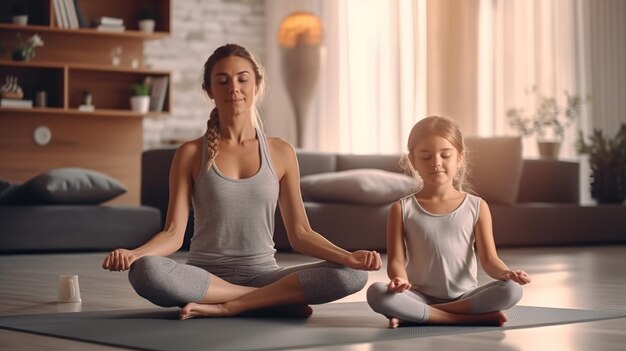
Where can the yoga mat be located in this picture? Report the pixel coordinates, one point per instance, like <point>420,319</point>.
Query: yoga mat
<point>330,324</point>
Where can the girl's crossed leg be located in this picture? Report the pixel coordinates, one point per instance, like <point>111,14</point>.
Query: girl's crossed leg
<point>480,306</point>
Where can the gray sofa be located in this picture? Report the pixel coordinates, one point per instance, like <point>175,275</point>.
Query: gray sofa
<point>533,202</point>
<point>67,228</point>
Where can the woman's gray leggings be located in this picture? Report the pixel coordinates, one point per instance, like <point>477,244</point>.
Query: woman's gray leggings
<point>168,283</point>
<point>412,306</point>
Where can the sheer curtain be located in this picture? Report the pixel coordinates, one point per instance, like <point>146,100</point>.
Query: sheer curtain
<point>373,82</point>
<point>525,45</point>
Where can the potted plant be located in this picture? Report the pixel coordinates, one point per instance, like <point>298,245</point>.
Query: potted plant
<point>147,19</point>
<point>20,13</point>
<point>549,122</point>
<point>140,99</point>
<point>607,161</point>
<point>25,48</point>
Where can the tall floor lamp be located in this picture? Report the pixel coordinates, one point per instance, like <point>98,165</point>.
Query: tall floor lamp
<point>300,39</point>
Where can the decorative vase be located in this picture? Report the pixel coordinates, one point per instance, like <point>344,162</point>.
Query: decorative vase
<point>549,150</point>
<point>140,103</point>
<point>147,25</point>
<point>19,55</point>
<point>301,65</point>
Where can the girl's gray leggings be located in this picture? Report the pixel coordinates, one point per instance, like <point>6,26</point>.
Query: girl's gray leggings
<point>167,283</point>
<point>412,306</point>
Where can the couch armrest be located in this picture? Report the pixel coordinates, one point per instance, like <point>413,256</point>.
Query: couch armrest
<point>549,181</point>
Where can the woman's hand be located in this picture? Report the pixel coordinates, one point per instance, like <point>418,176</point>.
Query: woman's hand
<point>398,285</point>
<point>517,276</point>
<point>119,260</point>
<point>364,260</point>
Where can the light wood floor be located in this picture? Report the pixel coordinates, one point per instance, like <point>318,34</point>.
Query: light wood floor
<point>578,277</point>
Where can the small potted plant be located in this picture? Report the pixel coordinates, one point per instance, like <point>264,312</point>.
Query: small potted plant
<point>20,13</point>
<point>25,48</point>
<point>549,122</point>
<point>607,162</point>
<point>147,20</point>
<point>140,99</point>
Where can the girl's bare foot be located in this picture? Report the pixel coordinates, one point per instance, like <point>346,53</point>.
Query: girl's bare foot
<point>496,318</point>
<point>192,310</point>
<point>436,316</point>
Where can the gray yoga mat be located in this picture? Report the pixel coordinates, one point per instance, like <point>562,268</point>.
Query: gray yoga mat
<point>331,324</point>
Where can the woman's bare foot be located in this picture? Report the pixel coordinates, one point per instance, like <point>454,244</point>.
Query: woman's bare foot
<point>394,322</point>
<point>192,310</point>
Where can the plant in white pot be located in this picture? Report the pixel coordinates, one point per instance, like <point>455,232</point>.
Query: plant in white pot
<point>140,99</point>
<point>147,20</point>
<point>549,122</point>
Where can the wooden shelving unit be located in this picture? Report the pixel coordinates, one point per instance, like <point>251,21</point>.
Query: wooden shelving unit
<point>108,139</point>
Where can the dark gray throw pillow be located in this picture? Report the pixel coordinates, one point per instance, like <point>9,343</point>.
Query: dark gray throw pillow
<point>64,186</point>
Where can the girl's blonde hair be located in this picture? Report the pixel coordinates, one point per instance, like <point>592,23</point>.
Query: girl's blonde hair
<point>447,129</point>
<point>213,129</point>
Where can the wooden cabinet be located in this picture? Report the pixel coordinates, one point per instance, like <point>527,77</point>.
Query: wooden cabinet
<point>108,139</point>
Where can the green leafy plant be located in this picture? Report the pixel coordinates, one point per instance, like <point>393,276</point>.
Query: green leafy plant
<point>549,120</point>
<point>607,161</point>
<point>140,89</point>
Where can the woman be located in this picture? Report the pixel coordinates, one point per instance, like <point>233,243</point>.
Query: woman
<point>233,176</point>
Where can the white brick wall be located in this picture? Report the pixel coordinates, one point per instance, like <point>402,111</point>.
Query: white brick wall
<point>198,27</point>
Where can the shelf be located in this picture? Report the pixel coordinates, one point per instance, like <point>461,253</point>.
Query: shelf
<point>70,63</point>
<point>82,66</point>
<point>75,112</point>
<point>135,34</point>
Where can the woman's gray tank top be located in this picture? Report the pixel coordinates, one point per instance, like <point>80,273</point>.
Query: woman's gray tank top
<point>234,218</point>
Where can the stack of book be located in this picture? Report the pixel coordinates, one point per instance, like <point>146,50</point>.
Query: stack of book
<point>69,15</point>
<point>110,24</point>
<point>16,103</point>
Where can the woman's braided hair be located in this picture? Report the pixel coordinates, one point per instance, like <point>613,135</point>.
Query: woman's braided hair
<point>213,129</point>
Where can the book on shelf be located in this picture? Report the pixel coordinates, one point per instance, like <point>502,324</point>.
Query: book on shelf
<point>18,103</point>
<point>107,28</point>
<point>110,21</point>
<point>60,14</point>
<point>83,22</point>
<point>72,16</point>
<point>158,91</point>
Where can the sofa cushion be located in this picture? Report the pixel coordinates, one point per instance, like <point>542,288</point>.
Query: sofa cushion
<point>495,167</point>
<point>64,186</point>
<point>359,186</point>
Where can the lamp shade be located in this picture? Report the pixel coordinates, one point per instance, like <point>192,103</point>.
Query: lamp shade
<point>300,28</point>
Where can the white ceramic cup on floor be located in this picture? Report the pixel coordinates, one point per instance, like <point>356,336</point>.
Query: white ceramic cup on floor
<point>69,290</point>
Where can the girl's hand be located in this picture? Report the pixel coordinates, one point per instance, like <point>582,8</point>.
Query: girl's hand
<point>398,285</point>
<point>364,260</point>
<point>517,276</point>
<point>119,260</point>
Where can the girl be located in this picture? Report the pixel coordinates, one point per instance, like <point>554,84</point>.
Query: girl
<point>233,177</point>
<point>432,239</point>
